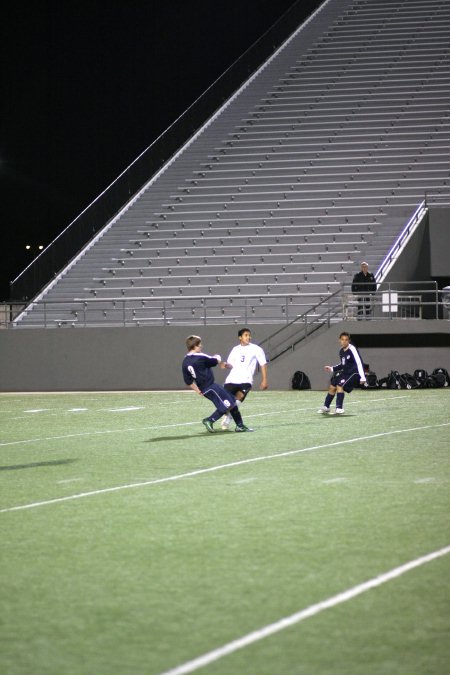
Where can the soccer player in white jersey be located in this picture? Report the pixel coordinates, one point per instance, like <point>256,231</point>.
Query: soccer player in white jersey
<point>346,375</point>
<point>243,360</point>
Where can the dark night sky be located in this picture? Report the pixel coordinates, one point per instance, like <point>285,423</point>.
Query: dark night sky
<point>86,86</point>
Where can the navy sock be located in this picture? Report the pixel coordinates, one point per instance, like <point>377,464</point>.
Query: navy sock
<point>328,400</point>
<point>236,415</point>
<point>215,416</point>
<point>340,400</point>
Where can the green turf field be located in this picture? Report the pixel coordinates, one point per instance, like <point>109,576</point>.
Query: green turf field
<point>134,542</point>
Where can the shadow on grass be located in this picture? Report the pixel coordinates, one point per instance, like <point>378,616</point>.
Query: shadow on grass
<point>334,417</point>
<point>35,465</point>
<point>184,437</point>
<point>219,433</point>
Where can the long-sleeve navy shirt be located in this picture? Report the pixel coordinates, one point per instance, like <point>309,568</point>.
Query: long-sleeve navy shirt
<point>350,362</point>
<point>197,367</point>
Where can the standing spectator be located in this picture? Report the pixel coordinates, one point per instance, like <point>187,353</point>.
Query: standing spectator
<point>242,361</point>
<point>346,375</point>
<point>363,285</point>
<point>198,375</point>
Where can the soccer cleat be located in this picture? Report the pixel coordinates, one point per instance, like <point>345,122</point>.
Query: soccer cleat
<point>225,423</point>
<point>242,427</point>
<point>208,424</point>
<point>323,409</point>
<point>339,411</point>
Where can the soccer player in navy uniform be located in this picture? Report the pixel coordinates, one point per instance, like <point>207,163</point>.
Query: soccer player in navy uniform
<point>346,375</point>
<point>198,375</point>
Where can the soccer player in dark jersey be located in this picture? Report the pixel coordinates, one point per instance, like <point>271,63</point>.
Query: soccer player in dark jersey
<point>346,375</point>
<point>198,375</point>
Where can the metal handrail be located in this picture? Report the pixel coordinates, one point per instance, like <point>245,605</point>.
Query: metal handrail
<point>285,342</point>
<point>396,298</point>
<point>427,297</point>
<point>401,241</point>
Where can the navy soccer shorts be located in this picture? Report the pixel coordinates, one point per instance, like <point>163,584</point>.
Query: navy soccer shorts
<point>221,399</point>
<point>347,382</point>
<point>234,388</point>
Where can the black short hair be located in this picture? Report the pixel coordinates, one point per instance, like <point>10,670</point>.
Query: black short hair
<point>345,334</point>
<point>244,330</point>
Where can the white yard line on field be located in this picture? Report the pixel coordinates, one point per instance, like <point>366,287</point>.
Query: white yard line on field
<point>95,433</point>
<point>131,407</point>
<point>218,467</point>
<point>308,612</point>
<point>167,426</point>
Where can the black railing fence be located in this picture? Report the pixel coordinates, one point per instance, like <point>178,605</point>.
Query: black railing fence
<point>293,314</point>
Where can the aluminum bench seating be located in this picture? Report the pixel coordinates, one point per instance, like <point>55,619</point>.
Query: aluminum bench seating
<point>229,290</point>
<point>318,167</point>
<point>315,172</point>
<point>248,230</point>
<point>376,139</point>
<point>235,243</point>
<point>207,279</point>
<point>268,267</point>
<point>211,240</point>
<point>307,217</point>
<point>311,253</point>
<point>302,246</point>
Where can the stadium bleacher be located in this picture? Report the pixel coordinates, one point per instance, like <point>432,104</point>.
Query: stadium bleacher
<point>315,163</point>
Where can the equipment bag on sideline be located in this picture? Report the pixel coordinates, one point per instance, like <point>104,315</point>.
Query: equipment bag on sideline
<point>392,381</point>
<point>300,380</point>
<point>371,381</point>
<point>441,376</point>
<point>422,378</point>
<point>408,381</point>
